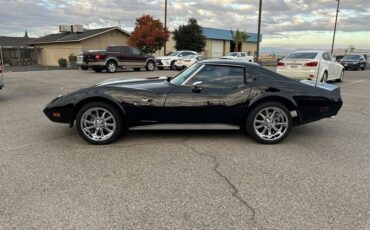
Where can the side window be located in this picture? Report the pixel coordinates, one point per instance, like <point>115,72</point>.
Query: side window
<point>126,50</point>
<point>221,77</point>
<point>242,55</point>
<point>136,51</point>
<point>326,57</point>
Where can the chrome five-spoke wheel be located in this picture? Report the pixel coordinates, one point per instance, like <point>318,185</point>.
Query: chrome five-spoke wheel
<point>99,123</point>
<point>269,122</point>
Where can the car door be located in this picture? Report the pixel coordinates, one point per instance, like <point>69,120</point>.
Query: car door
<point>215,94</point>
<point>138,57</point>
<point>331,66</point>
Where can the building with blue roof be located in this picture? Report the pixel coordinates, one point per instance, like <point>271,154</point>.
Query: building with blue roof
<point>219,43</point>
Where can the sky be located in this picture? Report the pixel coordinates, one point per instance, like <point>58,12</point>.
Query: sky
<point>285,23</point>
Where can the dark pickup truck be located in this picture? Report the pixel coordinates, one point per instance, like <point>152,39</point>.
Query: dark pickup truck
<point>115,57</point>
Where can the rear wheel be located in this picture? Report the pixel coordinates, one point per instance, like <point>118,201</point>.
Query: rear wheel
<point>111,66</point>
<point>269,122</point>
<point>99,123</point>
<point>341,76</point>
<point>324,77</point>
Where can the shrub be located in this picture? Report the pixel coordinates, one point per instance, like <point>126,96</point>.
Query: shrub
<point>72,58</point>
<point>62,62</point>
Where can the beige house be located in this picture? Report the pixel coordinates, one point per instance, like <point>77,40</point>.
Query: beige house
<point>50,48</point>
<point>218,43</point>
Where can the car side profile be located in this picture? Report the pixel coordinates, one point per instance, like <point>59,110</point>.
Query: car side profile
<point>311,65</point>
<point>240,56</point>
<point>115,57</point>
<point>265,104</point>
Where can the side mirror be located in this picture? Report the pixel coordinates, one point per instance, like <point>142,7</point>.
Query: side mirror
<point>197,86</point>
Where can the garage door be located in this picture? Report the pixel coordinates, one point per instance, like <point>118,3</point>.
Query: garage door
<point>217,49</point>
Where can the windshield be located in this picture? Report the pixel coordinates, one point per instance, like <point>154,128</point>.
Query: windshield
<point>351,57</point>
<point>303,55</point>
<point>234,54</point>
<point>183,76</point>
<point>173,53</point>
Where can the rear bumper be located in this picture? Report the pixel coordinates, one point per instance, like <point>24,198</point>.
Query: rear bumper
<point>298,74</point>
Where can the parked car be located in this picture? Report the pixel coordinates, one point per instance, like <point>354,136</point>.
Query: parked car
<point>241,56</point>
<point>169,60</point>
<point>1,75</point>
<point>187,61</point>
<point>310,65</point>
<point>263,102</point>
<point>115,57</point>
<point>354,61</point>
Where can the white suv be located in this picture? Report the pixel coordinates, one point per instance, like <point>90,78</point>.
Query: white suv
<point>168,61</point>
<point>241,56</point>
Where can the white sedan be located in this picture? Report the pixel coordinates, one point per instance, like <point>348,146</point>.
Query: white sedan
<point>187,61</point>
<point>311,65</point>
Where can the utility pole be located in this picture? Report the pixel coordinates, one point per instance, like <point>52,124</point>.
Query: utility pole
<point>165,23</point>
<point>335,27</point>
<point>259,32</point>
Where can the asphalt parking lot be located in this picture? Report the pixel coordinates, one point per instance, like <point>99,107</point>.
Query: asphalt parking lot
<point>318,178</point>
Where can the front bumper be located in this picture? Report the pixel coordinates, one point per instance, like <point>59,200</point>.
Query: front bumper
<point>162,63</point>
<point>351,65</point>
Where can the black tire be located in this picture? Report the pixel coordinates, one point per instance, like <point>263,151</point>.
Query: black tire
<point>150,66</point>
<point>136,69</point>
<point>172,66</point>
<point>254,113</point>
<point>98,69</point>
<point>160,68</point>
<point>119,124</point>
<point>84,67</point>
<point>341,76</point>
<point>111,66</point>
<point>324,77</point>
<point>346,68</point>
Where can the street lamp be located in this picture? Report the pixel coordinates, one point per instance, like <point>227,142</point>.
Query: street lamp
<point>259,32</point>
<point>335,27</point>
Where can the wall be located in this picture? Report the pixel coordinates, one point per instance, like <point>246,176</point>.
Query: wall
<point>114,37</point>
<point>249,47</point>
<point>49,54</point>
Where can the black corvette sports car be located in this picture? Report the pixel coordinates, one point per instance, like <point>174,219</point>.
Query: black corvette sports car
<point>267,105</point>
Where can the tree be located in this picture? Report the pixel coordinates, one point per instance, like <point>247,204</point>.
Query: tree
<point>149,34</point>
<point>189,37</point>
<point>238,38</point>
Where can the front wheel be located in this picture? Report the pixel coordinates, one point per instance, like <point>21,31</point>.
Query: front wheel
<point>269,123</point>
<point>99,123</point>
<point>172,66</point>
<point>150,66</point>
